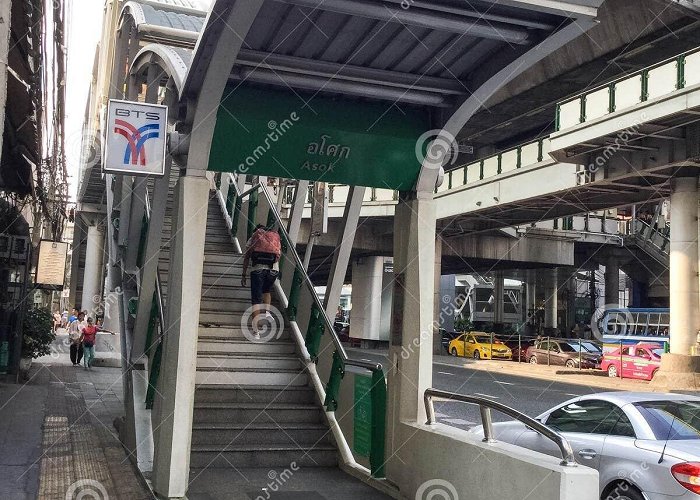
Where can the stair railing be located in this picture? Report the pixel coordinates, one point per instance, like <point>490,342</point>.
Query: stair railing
<point>231,199</point>
<point>156,321</point>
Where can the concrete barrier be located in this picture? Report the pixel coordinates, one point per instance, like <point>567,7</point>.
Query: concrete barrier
<point>439,461</point>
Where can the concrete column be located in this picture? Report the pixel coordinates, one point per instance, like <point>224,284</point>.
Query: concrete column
<point>439,305</point>
<point>551,291</point>
<point>612,282</point>
<point>680,368</point>
<point>5,18</point>
<point>498,325</point>
<point>367,277</point>
<point>173,405</point>
<point>92,279</point>
<point>410,354</point>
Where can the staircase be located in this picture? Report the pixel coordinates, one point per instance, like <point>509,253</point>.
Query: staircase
<point>253,405</point>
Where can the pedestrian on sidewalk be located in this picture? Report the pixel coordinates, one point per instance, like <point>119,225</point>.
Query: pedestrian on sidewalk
<point>264,249</point>
<point>75,332</point>
<point>88,340</point>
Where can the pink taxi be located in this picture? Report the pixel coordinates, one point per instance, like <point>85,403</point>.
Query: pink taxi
<point>640,361</point>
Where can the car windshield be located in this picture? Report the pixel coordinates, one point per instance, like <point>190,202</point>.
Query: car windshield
<point>591,347</point>
<point>575,347</point>
<point>672,420</point>
<point>484,339</point>
<point>567,347</point>
<point>658,352</point>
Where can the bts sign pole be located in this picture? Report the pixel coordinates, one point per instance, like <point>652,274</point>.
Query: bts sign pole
<point>136,136</point>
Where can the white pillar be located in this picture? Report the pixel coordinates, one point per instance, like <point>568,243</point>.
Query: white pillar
<point>612,282</point>
<point>684,297</point>
<point>173,405</point>
<point>551,304</point>
<point>367,277</point>
<point>498,301</point>
<point>92,278</point>
<point>410,355</point>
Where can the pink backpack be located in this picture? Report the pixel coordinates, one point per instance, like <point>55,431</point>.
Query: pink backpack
<point>266,246</point>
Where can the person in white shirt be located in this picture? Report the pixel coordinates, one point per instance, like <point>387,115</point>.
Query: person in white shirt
<point>75,331</point>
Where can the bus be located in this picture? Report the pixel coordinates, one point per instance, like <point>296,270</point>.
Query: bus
<point>631,326</point>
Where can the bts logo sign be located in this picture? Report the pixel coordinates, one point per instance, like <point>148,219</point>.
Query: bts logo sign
<point>136,138</point>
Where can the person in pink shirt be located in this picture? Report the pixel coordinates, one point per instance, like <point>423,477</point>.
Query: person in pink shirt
<point>89,333</point>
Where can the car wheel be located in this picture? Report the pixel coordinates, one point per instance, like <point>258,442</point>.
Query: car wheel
<point>533,360</point>
<point>622,491</point>
<point>454,351</point>
<point>612,371</point>
<point>476,355</point>
<point>570,363</point>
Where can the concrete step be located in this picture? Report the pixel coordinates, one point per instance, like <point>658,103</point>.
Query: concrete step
<point>266,394</point>
<point>220,292</point>
<point>217,346</point>
<point>292,434</point>
<point>234,332</point>
<point>223,257</point>
<point>267,456</point>
<point>256,413</point>
<point>250,376</point>
<point>270,362</point>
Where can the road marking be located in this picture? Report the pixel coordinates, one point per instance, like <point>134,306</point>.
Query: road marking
<point>485,395</point>
<point>458,421</point>
<point>574,395</point>
<point>439,415</point>
<point>504,383</point>
<point>446,373</point>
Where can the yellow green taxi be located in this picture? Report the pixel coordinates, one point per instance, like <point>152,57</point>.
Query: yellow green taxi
<point>478,345</point>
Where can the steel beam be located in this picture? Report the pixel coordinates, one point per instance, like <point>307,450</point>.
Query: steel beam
<point>419,17</point>
<point>330,85</point>
<point>341,255</point>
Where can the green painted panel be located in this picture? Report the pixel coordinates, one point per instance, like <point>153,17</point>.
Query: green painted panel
<point>274,133</point>
<point>362,427</point>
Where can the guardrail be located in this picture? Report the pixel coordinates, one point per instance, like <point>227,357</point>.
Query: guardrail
<point>657,80</point>
<point>485,407</point>
<point>232,201</point>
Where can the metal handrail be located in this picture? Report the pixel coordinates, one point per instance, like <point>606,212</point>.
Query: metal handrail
<point>628,76</point>
<point>299,266</point>
<point>485,406</point>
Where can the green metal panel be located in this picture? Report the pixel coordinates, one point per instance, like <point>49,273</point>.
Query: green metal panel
<point>142,241</point>
<point>612,89</point>
<point>337,374</point>
<point>230,198</point>
<point>294,295</point>
<point>314,332</point>
<point>362,416</point>
<point>153,373</point>
<point>270,132</point>
<point>252,210</point>
<point>378,395</point>
<point>645,85</point>
<point>153,318</point>
<point>680,69</point>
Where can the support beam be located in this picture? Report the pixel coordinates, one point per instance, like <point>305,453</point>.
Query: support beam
<point>612,282</point>
<point>551,292</point>
<point>174,399</point>
<point>136,213</point>
<point>341,256</point>
<point>149,268</point>
<point>418,17</point>
<point>300,195</point>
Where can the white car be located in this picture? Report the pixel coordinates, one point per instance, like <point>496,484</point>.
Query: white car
<point>645,446</point>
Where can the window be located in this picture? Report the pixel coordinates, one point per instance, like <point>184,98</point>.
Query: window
<point>591,417</point>
<point>567,347</point>
<point>672,419</point>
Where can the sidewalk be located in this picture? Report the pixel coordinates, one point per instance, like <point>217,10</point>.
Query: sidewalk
<point>58,436</point>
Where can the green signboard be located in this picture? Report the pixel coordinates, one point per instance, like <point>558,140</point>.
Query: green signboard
<point>279,134</point>
<point>362,428</point>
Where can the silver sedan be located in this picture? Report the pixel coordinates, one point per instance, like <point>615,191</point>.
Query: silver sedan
<point>645,446</point>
